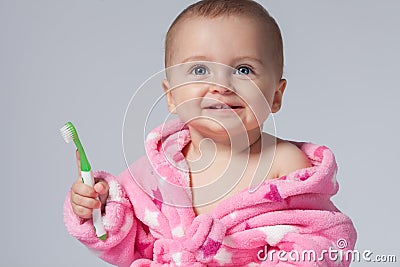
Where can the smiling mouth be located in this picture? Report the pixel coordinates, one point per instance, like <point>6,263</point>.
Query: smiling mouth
<point>221,106</point>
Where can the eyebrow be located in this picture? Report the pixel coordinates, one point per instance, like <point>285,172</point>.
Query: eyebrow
<point>196,58</point>
<point>250,58</point>
<point>204,58</point>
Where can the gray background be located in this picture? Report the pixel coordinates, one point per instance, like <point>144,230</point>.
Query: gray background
<point>83,60</point>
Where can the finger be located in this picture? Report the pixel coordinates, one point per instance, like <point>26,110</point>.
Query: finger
<point>101,187</point>
<point>86,202</point>
<point>82,212</point>
<point>78,187</point>
<point>78,163</point>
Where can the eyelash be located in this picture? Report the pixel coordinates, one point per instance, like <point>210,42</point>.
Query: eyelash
<point>192,69</point>
<point>251,69</point>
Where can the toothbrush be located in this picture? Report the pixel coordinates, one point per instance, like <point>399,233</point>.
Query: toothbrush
<point>69,134</point>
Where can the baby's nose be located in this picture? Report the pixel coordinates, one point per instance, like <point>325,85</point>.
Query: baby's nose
<point>219,89</point>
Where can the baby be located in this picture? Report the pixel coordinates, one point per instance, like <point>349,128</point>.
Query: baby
<point>224,64</point>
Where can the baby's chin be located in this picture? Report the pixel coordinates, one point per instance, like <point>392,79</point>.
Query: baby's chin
<point>222,129</point>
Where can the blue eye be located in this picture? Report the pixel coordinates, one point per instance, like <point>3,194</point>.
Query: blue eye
<point>243,71</point>
<point>199,70</point>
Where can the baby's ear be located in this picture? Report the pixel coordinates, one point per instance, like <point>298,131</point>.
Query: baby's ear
<point>170,100</point>
<point>277,102</point>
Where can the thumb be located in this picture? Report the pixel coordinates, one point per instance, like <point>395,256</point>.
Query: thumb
<point>101,187</point>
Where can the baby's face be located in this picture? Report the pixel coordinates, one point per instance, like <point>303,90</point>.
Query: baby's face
<point>225,74</point>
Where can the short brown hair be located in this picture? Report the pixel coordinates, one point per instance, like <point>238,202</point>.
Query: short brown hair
<point>217,8</point>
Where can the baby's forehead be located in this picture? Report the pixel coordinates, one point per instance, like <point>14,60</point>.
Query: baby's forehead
<point>265,30</point>
<point>263,27</point>
<point>233,28</point>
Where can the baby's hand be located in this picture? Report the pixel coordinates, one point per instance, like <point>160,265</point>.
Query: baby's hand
<point>84,197</point>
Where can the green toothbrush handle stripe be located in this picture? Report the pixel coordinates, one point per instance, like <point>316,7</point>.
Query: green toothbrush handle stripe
<point>101,233</point>
<point>85,165</point>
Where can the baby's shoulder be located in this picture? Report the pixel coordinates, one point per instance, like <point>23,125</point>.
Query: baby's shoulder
<point>289,158</point>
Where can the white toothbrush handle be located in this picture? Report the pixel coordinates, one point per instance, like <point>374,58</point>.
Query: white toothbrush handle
<point>101,233</point>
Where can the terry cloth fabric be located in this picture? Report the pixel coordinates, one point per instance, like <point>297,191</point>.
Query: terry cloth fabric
<point>150,220</point>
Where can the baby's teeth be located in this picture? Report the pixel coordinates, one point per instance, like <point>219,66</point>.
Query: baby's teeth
<point>221,107</point>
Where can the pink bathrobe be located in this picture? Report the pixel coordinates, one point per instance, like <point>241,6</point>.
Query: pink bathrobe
<point>288,221</point>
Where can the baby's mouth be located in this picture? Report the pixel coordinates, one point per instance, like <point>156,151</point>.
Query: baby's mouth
<point>224,106</point>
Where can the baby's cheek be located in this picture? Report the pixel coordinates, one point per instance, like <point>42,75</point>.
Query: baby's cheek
<point>258,107</point>
<point>189,109</point>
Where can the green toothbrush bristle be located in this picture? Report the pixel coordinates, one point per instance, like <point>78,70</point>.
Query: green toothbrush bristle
<point>68,132</point>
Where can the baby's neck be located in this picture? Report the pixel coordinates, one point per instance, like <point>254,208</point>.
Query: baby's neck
<point>216,149</point>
